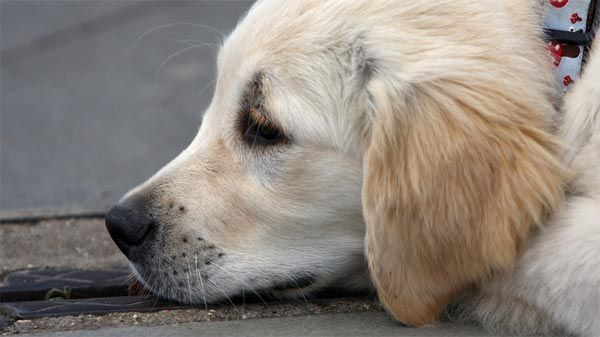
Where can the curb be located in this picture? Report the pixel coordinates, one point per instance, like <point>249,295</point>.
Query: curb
<point>40,214</point>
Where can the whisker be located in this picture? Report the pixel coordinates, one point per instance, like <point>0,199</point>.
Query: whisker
<point>255,134</point>
<point>224,294</point>
<point>243,297</point>
<point>268,295</point>
<point>180,51</point>
<point>125,267</point>
<point>304,297</point>
<point>149,31</point>
<point>192,42</point>
<point>187,275</point>
<point>155,285</point>
<point>197,98</point>
<point>241,280</point>
<point>201,286</point>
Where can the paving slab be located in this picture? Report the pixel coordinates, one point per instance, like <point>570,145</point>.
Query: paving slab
<point>41,284</point>
<point>90,306</point>
<point>95,109</point>
<point>70,243</point>
<point>149,316</point>
<point>347,324</point>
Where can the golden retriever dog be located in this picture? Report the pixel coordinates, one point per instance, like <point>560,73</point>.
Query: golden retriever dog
<point>412,147</point>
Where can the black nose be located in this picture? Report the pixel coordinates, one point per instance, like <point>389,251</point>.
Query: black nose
<point>127,227</point>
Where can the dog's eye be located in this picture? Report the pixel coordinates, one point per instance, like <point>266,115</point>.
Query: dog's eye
<point>259,130</point>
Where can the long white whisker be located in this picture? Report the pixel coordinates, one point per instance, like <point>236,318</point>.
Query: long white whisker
<point>243,297</point>
<point>242,281</point>
<point>201,286</point>
<point>197,98</point>
<point>224,294</point>
<point>155,285</point>
<point>187,275</point>
<point>191,42</point>
<point>149,31</point>
<point>304,297</point>
<point>172,56</point>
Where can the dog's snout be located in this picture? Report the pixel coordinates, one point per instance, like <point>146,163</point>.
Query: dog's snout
<point>127,226</point>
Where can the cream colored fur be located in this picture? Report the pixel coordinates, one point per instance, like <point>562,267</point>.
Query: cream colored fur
<point>439,113</point>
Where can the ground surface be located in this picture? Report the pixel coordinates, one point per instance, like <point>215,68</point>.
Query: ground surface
<point>349,324</point>
<point>76,243</point>
<point>84,244</point>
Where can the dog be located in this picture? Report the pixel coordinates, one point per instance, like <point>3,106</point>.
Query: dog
<point>412,147</point>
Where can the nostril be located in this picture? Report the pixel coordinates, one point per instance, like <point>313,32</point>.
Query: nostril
<point>127,227</point>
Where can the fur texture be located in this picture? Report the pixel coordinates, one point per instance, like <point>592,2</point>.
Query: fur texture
<point>460,165</point>
<point>555,285</point>
<point>417,134</point>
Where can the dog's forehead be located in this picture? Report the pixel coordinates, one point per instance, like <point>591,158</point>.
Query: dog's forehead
<point>286,35</point>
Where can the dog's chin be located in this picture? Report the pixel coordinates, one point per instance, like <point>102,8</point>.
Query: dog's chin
<point>297,287</point>
<point>303,286</point>
<point>316,289</point>
<point>137,284</point>
<point>146,282</point>
<point>357,283</point>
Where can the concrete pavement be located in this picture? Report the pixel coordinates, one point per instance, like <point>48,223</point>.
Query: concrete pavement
<point>70,243</point>
<point>347,325</point>
<point>85,244</point>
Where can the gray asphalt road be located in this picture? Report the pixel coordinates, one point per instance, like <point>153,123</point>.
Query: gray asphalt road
<point>86,111</point>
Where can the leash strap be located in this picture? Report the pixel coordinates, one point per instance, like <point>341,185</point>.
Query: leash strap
<point>569,26</point>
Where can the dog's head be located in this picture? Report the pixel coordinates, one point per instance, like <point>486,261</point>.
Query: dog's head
<point>318,102</point>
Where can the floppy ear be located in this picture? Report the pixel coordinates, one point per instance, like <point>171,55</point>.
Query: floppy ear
<point>455,175</point>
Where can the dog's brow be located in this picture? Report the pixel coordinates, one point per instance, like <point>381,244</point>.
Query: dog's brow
<point>253,97</point>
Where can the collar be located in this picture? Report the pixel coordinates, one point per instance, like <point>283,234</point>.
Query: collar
<point>569,26</point>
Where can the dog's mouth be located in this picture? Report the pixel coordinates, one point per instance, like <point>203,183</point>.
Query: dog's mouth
<point>295,283</point>
<point>284,288</point>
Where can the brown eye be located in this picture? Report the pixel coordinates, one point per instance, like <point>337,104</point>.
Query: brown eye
<point>259,130</point>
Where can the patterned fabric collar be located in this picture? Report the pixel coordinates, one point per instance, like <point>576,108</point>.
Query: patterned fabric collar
<point>569,26</point>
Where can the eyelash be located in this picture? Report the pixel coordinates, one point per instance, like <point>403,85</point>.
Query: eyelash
<point>258,130</point>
